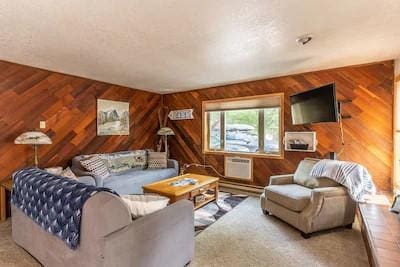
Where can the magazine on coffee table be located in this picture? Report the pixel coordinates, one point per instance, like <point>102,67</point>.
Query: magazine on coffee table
<point>184,182</point>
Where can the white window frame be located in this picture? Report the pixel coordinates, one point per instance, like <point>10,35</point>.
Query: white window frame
<point>221,151</point>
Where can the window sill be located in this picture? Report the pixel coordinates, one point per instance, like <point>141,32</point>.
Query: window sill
<point>244,154</point>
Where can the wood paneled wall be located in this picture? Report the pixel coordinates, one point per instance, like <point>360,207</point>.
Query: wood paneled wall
<point>68,105</point>
<point>368,133</point>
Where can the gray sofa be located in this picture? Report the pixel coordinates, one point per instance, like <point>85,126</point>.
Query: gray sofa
<point>129,181</point>
<point>109,236</point>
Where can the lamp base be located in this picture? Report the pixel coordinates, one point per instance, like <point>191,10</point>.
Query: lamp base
<point>35,148</point>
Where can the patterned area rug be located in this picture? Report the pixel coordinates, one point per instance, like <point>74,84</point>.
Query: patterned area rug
<point>210,213</point>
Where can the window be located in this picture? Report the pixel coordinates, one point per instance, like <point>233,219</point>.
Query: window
<point>248,125</point>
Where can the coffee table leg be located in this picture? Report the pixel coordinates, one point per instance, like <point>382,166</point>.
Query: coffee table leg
<point>216,192</point>
<point>3,204</point>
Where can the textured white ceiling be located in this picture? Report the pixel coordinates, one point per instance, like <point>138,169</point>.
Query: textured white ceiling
<point>169,45</point>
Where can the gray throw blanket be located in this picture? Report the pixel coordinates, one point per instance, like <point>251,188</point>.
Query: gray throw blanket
<point>353,176</point>
<point>53,202</point>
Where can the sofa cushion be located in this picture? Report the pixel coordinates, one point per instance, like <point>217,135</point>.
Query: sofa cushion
<point>141,205</point>
<point>131,182</point>
<point>54,170</point>
<point>291,196</point>
<point>67,172</point>
<point>302,175</point>
<point>96,166</point>
<point>157,160</point>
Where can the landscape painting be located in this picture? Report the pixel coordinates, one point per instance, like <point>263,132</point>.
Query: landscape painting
<point>112,117</point>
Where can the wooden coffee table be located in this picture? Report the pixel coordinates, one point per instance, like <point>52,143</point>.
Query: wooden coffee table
<point>205,190</point>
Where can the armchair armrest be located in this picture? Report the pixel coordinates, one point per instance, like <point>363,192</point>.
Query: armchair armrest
<point>329,207</point>
<point>281,179</point>
<point>325,192</point>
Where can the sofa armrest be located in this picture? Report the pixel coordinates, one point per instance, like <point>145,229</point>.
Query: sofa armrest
<point>171,163</point>
<point>168,232</point>
<point>99,181</point>
<point>88,180</point>
<point>77,168</point>
<point>281,179</point>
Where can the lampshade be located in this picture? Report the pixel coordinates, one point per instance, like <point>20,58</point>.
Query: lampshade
<point>33,138</point>
<point>165,131</point>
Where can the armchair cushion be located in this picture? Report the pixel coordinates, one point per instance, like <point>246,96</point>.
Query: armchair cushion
<point>302,175</point>
<point>292,196</point>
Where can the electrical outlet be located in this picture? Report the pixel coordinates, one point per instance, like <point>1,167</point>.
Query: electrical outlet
<point>42,124</point>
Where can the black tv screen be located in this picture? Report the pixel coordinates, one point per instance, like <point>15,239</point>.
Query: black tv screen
<point>317,105</point>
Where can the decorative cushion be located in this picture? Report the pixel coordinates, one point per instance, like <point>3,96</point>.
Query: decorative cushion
<point>126,160</point>
<point>68,173</point>
<point>96,166</point>
<point>141,205</point>
<point>54,170</point>
<point>292,196</point>
<point>157,160</point>
<point>302,175</point>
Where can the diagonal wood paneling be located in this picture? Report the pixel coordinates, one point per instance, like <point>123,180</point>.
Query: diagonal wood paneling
<point>68,105</point>
<point>368,133</point>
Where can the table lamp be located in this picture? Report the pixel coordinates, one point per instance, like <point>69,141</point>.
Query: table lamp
<point>34,138</point>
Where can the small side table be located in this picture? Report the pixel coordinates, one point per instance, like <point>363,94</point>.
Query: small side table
<point>5,186</point>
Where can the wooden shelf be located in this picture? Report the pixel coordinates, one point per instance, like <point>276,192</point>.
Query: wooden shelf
<point>308,137</point>
<point>299,150</point>
<point>202,203</point>
<point>209,197</point>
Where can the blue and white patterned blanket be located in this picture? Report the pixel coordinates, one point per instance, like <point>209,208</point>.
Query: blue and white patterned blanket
<point>53,202</point>
<point>353,176</point>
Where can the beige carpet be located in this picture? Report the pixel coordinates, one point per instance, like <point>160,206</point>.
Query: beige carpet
<point>245,237</point>
<point>10,254</point>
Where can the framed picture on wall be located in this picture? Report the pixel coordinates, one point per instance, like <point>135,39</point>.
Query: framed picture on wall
<point>112,117</point>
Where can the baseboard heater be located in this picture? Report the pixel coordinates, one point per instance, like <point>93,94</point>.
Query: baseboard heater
<point>240,188</point>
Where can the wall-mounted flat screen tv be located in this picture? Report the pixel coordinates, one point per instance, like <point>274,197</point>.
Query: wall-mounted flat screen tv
<point>317,105</point>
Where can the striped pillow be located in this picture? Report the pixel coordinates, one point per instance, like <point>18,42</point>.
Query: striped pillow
<point>96,166</point>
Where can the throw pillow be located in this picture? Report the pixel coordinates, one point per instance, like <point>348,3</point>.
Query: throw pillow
<point>96,166</point>
<point>141,205</point>
<point>54,170</point>
<point>125,160</point>
<point>140,159</point>
<point>157,160</point>
<point>68,173</point>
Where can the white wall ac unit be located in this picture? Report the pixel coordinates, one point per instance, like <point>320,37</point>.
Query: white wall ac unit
<point>239,168</point>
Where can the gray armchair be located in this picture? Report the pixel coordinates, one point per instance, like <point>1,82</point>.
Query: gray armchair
<point>309,204</point>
